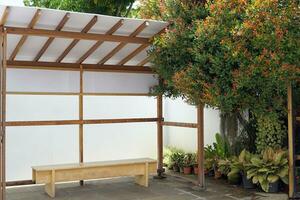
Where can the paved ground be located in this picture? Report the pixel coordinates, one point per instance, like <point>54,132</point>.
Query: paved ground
<point>172,188</point>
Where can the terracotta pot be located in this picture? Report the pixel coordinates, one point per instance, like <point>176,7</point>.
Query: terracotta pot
<point>218,174</point>
<point>196,170</point>
<point>187,170</point>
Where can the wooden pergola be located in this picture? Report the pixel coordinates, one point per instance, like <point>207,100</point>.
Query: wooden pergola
<point>36,22</point>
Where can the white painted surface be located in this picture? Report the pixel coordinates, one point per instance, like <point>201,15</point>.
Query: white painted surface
<point>186,138</point>
<point>29,146</point>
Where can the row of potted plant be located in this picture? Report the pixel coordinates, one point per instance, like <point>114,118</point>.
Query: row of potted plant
<point>266,170</point>
<point>180,161</point>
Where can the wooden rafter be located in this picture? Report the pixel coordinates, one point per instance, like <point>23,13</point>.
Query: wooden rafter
<point>138,50</point>
<point>76,67</point>
<point>133,54</point>
<point>50,40</point>
<point>89,25</point>
<point>23,39</point>
<point>98,43</point>
<point>121,45</point>
<point>143,62</point>
<point>4,16</point>
<point>75,35</point>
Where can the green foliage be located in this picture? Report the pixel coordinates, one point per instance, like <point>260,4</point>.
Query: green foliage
<point>109,7</point>
<point>269,167</point>
<point>271,132</point>
<point>239,165</point>
<point>232,55</point>
<point>173,157</point>
<point>189,160</point>
<point>221,147</point>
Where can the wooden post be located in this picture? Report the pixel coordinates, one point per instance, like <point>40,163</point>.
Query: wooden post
<point>200,144</point>
<point>3,45</point>
<point>291,143</point>
<point>81,119</point>
<point>160,169</point>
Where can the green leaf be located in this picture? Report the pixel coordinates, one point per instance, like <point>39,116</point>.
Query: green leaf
<point>273,178</point>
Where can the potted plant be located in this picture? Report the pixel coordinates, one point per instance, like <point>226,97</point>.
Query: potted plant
<point>188,163</point>
<point>268,169</point>
<point>208,167</point>
<point>239,167</point>
<point>176,159</point>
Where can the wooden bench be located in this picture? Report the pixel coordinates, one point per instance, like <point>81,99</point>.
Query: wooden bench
<point>49,175</point>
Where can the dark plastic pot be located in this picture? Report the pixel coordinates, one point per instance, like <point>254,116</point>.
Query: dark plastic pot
<point>211,173</point>
<point>274,187</point>
<point>247,183</point>
<point>176,168</point>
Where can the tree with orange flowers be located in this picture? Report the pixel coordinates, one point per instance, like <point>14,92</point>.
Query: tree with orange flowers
<point>234,55</point>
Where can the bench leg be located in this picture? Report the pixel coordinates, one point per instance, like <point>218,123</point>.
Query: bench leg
<point>143,179</point>
<point>50,187</point>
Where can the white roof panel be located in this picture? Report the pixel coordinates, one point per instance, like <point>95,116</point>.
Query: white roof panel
<point>49,19</point>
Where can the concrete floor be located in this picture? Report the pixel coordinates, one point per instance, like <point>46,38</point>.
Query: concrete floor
<point>172,188</point>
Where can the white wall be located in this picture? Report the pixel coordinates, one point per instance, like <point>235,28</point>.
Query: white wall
<point>186,138</point>
<point>30,146</point>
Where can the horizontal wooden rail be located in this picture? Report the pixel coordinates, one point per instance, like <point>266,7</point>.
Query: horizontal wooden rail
<point>21,182</point>
<point>75,35</point>
<point>297,157</point>
<point>77,122</point>
<point>298,118</point>
<point>77,93</point>
<point>180,124</point>
<point>76,67</point>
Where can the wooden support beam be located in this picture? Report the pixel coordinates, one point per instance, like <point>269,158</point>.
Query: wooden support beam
<point>76,122</point>
<point>98,43</point>
<point>133,54</point>
<point>21,182</point>
<point>91,23</point>
<point>23,39</point>
<point>76,67</point>
<point>159,109</point>
<point>143,62</point>
<point>4,16</point>
<point>298,119</point>
<point>180,124</point>
<point>81,118</point>
<point>121,45</point>
<point>3,66</point>
<point>291,142</point>
<point>75,35</point>
<point>77,93</point>
<point>200,145</point>
<point>51,39</point>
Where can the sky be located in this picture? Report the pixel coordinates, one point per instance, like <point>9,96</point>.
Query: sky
<point>12,2</point>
